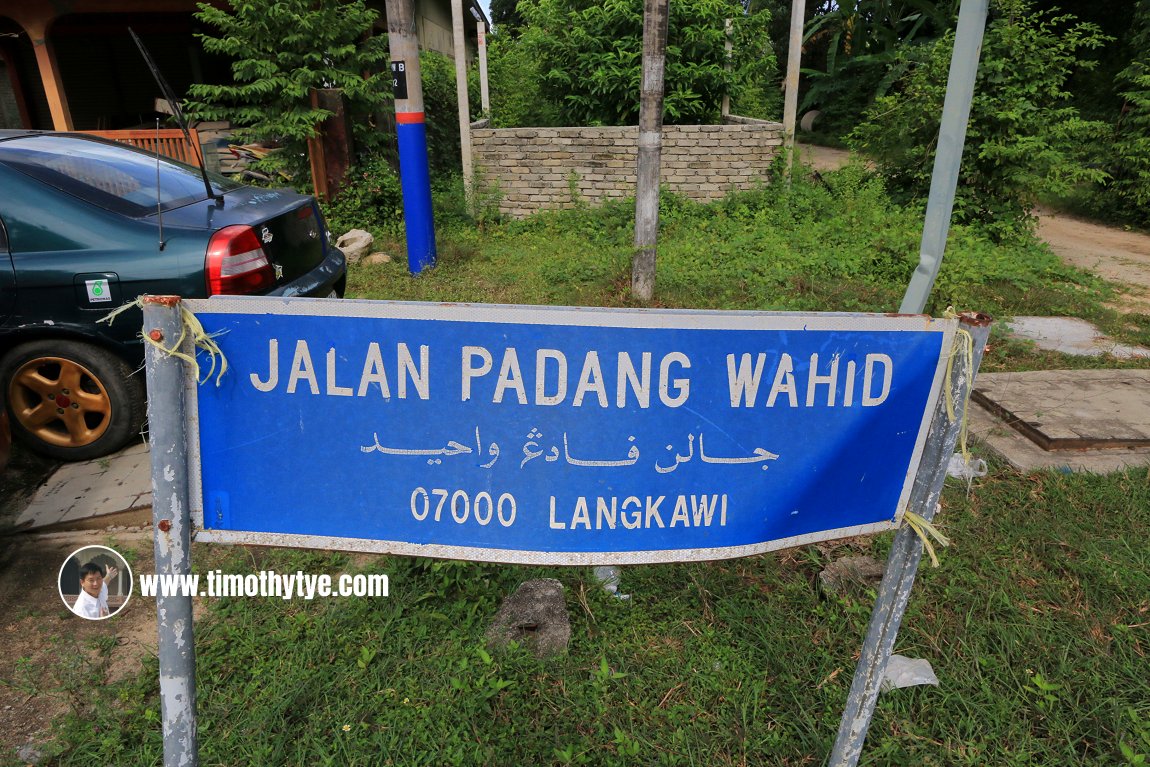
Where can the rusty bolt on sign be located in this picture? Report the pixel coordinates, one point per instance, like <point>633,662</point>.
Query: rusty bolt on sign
<point>165,525</point>
<point>156,335</point>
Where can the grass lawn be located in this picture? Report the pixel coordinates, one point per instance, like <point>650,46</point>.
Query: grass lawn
<point>1037,623</point>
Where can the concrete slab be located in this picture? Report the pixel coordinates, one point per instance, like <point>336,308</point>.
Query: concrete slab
<point>1072,336</point>
<point>1093,420</point>
<point>78,493</point>
<point>1072,409</point>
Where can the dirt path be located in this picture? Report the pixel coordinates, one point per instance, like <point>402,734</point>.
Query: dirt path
<point>1113,253</point>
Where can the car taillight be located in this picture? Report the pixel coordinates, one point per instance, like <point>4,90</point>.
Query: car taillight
<point>237,263</point>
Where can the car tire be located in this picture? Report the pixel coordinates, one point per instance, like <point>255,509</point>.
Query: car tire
<point>71,400</point>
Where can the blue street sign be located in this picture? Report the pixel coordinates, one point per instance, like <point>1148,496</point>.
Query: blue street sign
<point>556,435</point>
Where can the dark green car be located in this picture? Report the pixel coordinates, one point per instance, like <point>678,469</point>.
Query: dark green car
<point>87,225</point>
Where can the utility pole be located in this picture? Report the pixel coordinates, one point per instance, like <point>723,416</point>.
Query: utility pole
<point>650,149</point>
<point>411,130</point>
<point>461,95</point>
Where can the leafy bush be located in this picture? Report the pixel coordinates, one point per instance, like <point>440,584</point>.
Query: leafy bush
<point>514,78</point>
<point>753,82</point>
<point>1023,139</point>
<point>1126,194</point>
<point>841,243</point>
<point>860,43</point>
<point>370,199</point>
<point>590,56</point>
<point>440,106</point>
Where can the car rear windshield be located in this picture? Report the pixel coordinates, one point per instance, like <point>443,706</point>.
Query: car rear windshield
<point>113,176</point>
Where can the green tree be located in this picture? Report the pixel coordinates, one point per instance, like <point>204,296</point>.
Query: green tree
<point>280,49</point>
<point>1096,88</point>
<point>515,82</point>
<point>441,106</point>
<point>505,16</point>
<point>589,55</point>
<point>1023,139</point>
<point>1127,192</point>
<point>861,46</point>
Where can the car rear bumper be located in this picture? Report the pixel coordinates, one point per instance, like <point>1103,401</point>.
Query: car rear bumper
<point>327,280</point>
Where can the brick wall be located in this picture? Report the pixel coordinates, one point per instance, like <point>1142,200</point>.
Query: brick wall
<point>542,167</point>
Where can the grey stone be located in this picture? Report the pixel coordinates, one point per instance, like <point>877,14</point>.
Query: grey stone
<point>377,258</point>
<point>355,244</point>
<point>29,754</point>
<point>841,574</point>
<point>536,616</point>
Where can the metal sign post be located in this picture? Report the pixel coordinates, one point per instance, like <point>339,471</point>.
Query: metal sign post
<point>948,157</point>
<point>171,526</point>
<point>902,562</point>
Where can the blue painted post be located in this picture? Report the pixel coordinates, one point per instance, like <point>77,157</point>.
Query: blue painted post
<point>410,127</point>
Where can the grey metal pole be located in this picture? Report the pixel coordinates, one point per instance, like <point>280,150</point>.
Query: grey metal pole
<point>655,19</point>
<point>951,137</point>
<point>902,563</point>
<point>791,96</point>
<point>171,525</point>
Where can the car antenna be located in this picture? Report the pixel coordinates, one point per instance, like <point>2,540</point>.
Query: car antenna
<point>174,105</point>
<point>159,204</point>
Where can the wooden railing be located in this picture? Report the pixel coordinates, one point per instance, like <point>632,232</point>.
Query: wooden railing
<point>169,142</point>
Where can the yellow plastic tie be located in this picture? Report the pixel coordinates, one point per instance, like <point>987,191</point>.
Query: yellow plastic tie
<point>963,345</point>
<point>925,532</point>
<point>205,342</point>
<point>189,324</point>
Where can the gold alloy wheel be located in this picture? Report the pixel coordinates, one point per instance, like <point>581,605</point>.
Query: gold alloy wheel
<point>60,402</point>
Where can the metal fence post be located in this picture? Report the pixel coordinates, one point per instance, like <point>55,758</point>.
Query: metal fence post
<point>902,563</point>
<point>171,529</point>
